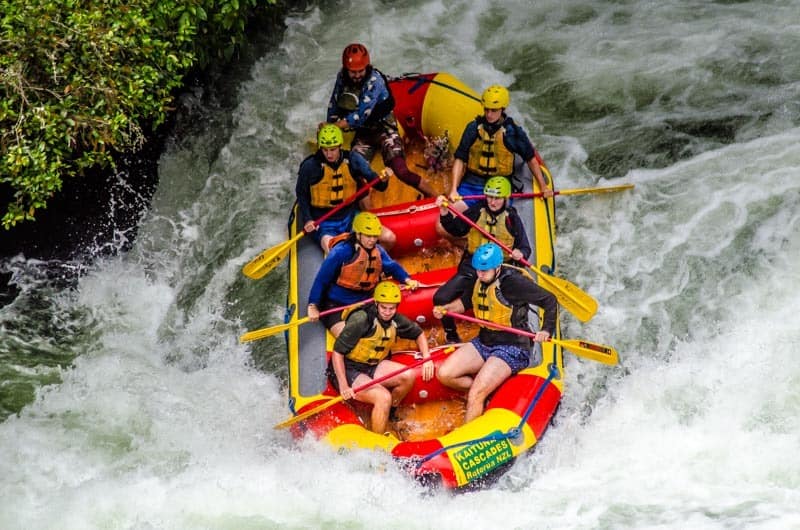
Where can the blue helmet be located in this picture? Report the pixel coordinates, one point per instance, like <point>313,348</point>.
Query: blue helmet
<point>487,257</point>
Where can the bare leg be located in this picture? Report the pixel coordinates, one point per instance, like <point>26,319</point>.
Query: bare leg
<point>381,400</point>
<point>400,384</point>
<point>458,369</point>
<point>387,239</point>
<point>490,376</point>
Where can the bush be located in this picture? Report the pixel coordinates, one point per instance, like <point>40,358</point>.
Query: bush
<point>79,81</point>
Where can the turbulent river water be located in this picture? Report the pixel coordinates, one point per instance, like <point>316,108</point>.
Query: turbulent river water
<point>128,403</point>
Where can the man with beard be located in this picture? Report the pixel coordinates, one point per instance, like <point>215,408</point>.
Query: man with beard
<point>351,271</point>
<point>361,101</point>
<point>362,352</point>
<point>494,215</point>
<point>502,295</point>
<point>328,178</point>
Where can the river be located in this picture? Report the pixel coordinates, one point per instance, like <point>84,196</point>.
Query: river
<point>140,410</point>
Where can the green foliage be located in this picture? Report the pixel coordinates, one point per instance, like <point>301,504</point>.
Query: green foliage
<point>79,80</point>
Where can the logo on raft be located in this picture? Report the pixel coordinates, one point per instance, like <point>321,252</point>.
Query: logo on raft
<point>479,458</point>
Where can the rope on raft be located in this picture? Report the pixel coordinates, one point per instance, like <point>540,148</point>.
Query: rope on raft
<point>510,434</point>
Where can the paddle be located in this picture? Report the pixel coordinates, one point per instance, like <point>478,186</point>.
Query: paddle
<point>569,295</point>
<point>339,399</point>
<point>582,348</point>
<point>269,331</point>
<point>574,191</point>
<point>262,264</point>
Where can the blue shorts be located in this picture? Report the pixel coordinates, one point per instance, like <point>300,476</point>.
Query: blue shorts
<point>334,227</point>
<point>471,186</point>
<point>515,357</point>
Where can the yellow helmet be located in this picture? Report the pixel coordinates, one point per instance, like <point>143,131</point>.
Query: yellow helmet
<point>387,293</point>
<point>495,97</point>
<point>367,223</point>
<point>330,135</point>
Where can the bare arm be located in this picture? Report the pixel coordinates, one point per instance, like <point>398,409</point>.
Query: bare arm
<point>533,165</point>
<point>427,368</point>
<point>456,306</point>
<point>459,168</point>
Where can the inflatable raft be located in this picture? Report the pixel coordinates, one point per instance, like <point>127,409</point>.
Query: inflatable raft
<point>428,437</point>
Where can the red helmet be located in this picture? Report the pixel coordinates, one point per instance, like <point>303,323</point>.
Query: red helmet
<point>355,57</point>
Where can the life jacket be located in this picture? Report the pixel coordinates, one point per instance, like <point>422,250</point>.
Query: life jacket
<point>349,97</point>
<point>488,303</point>
<point>372,349</point>
<point>334,187</point>
<point>497,225</point>
<point>363,271</point>
<point>488,155</point>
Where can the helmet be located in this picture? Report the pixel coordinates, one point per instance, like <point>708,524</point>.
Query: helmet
<point>387,293</point>
<point>498,187</point>
<point>487,257</point>
<point>495,97</point>
<point>330,135</point>
<point>355,57</point>
<point>367,223</point>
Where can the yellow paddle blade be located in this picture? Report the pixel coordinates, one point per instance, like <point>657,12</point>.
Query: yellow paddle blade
<point>607,189</point>
<point>570,296</point>
<point>309,413</point>
<point>590,350</point>
<point>267,332</point>
<point>262,264</point>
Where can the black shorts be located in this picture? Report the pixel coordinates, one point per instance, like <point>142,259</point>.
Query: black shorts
<point>352,369</point>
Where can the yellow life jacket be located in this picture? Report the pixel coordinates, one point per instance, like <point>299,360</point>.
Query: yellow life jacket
<point>335,186</point>
<point>374,348</point>
<point>495,225</point>
<point>489,156</point>
<point>489,304</point>
<point>363,271</point>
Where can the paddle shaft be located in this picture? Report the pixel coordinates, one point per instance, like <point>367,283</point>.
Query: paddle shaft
<point>267,260</point>
<point>339,399</point>
<point>354,197</point>
<point>486,234</point>
<point>575,191</point>
<point>272,330</point>
<point>269,331</point>
<point>596,352</point>
<point>572,298</point>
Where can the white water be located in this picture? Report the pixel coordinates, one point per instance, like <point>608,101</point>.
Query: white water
<point>164,422</point>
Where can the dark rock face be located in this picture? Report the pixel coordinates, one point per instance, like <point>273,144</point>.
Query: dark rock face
<point>89,213</point>
<point>95,215</point>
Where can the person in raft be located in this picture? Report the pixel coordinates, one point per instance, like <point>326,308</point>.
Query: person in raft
<point>361,101</point>
<point>328,178</point>
<point>362,352</point>
<point>501,294</point>
<point>494,215</point>
<point>487,148</point>
<point>351,271</point>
